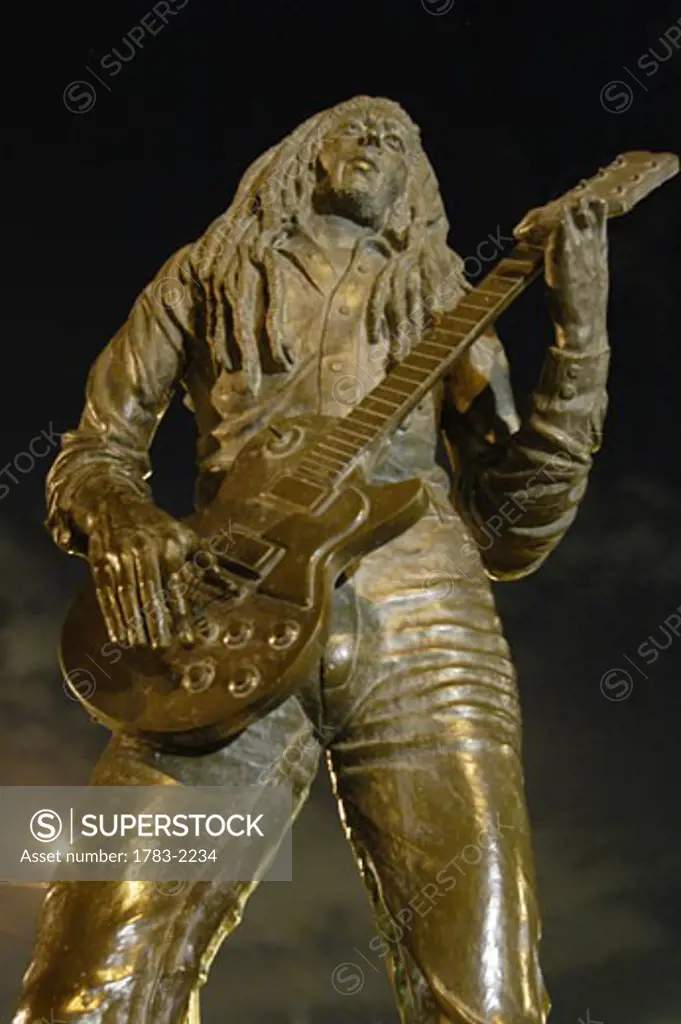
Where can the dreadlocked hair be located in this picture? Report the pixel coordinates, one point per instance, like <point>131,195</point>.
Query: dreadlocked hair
<point>241,285</point>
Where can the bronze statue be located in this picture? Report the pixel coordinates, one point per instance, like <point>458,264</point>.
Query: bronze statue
<point>326,275</point>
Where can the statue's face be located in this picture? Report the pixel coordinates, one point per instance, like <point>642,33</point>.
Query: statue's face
<point>362,168</point>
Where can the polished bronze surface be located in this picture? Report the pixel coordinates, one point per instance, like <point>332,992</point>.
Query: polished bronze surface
<point>319,279</point>
<point>294,513</point>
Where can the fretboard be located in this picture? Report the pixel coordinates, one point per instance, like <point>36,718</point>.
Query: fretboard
<point>381,411</point>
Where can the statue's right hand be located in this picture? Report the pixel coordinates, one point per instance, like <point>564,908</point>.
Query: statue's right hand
<point>136,551</point>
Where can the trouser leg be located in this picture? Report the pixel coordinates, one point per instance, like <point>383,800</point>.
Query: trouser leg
<point>426,764</point>
<point>451,882</point>
<point>125,952</point>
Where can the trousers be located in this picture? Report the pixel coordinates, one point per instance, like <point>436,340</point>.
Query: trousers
<point>415,709</point>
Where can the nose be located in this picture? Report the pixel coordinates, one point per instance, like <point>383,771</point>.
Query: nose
<point>372,137</point>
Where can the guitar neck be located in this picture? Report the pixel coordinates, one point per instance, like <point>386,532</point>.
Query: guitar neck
<point>381,411</point>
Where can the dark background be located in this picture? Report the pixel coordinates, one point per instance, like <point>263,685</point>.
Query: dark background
<point>515,107</point>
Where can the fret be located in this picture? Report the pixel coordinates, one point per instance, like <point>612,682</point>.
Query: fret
<point>479,301</point>
<point>498,288</point>
<point>460,325</point>
<point>403,368</point>
<point>322,464</point>
<point>329,459</point>
<point>308,481</point>
<point>415,354</point>
<point>329,445</point>
<point>361,410</point>
<point>521,266</point>
<point>453,338</point>
<point>399,371</point>
<point>507,269</point>
<point>445,324</point>
<point>359,427</point>
<point>512,279</point>
<point>325,458</point>
<point>373,397</point>
<point>440,349</point>
<point>320,475</point>
<point>396,387</point>
<point>469,319</point>
<point>387,391</point>
<point>350,437</point>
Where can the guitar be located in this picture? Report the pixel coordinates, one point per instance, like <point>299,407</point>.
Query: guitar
<point>299,512</point>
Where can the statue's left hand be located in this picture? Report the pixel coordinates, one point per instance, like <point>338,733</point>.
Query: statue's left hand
<point>576,273</point>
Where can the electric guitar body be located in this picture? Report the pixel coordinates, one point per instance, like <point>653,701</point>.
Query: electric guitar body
<point>261,592</point>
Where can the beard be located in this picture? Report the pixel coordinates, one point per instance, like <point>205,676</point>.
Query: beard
<point>364,197</point>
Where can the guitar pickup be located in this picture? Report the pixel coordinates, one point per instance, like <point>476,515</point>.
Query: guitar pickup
<point>249,556</point>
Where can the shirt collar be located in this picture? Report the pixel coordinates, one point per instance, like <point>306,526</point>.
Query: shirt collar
<point>313,261</point>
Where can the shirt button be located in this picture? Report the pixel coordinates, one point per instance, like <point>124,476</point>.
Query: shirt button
<point>336,365</point>
<point>344,310</point>
<point>362,268</point>
<point>572,371</point>
<point>568,390</point>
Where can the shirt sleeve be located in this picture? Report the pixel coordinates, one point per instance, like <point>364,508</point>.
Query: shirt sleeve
<point>128,390</point>
<point>519,494</point>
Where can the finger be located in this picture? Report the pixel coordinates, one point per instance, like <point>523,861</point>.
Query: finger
<point>415,310</point>
<point>222,579</point>
<point>123,579</point>
<point>108,539</point>
<point>598,205</point>
<point>204,559</point>
<point>575,220</point>
<point>180,608</point>
<point>105,585</point>
<point>108,604</point>
<point>529,225</point>
<point>600,211</point>
<point>595,210</point>
<point>554,247</point>
<point>151,590</point>
<point>128,597</point>
<point>585,213</point>
<point>178,547</point>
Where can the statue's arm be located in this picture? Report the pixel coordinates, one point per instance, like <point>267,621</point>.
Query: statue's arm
<point>520,495</point>
<point>128,390</point>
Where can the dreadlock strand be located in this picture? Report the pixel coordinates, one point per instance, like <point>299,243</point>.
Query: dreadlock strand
<point>396,306</point>
<point>416,307</point>
<point>377,325</point>
<point>242,318</point>
<point>275,310</point>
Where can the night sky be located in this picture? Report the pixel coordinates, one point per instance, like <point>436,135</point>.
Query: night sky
<point>516,103</point>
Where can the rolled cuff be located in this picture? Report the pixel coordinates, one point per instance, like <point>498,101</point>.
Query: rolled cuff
<point>571,401</point>
<point>78,480</point>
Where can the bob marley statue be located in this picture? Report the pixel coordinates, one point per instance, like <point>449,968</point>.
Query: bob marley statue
<point>313,283</point>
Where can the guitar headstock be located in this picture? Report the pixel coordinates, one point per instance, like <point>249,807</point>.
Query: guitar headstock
<point>620,185</point>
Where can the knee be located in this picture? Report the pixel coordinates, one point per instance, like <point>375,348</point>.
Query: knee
<point>169,997</point>
<point>46,998</point>
<point>50,996</point>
